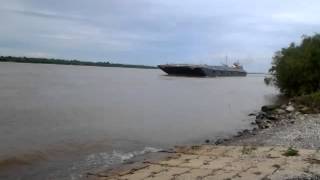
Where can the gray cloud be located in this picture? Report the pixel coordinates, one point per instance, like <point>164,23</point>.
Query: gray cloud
<point>39,14</point>
<point>153,32</point>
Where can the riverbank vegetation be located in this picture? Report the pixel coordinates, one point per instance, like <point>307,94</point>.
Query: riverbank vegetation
<point>291,152</point>
<point>296,71</point>
<point>69,62</point>
<point>311,100</point>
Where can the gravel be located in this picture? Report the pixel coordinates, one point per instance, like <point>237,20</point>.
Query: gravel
<point>302,131</point>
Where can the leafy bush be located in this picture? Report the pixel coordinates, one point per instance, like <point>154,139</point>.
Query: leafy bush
<point>296,69</point>
<point>310,100</point>
<point>291,152</point>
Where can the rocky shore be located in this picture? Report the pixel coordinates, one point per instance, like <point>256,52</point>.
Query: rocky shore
<point>286,125</point>
<point>283,144</point>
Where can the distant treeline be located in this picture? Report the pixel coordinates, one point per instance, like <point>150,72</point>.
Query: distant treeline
<point>69,62</point>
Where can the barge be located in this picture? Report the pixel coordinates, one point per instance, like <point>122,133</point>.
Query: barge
<point>203,70</point>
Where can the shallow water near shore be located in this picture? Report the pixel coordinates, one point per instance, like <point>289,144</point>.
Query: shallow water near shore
<point>62,121</point>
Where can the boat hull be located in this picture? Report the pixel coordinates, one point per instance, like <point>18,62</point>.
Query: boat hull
<point>201,71</point>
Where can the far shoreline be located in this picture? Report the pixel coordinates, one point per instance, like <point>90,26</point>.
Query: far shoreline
<point>32,60</point>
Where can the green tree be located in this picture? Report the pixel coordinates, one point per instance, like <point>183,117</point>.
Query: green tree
<point>296,69</point>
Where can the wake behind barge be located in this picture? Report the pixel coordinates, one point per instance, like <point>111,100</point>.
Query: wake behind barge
<point>203,70</point>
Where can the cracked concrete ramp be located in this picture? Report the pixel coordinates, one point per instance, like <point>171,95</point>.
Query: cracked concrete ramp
<point>208,162</point>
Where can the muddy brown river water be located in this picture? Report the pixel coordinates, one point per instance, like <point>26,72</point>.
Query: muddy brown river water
<point>58,122</point>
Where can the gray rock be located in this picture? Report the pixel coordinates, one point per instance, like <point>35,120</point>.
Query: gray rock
<point>219,141</point>
<point>290,108</point>
<point>268,108</point>
<point>259,121</point>
<point>297,114</point>
<point>305,110</point>
<point>302,118</point>
<point>261,115</point>
<point>280,111</point>
<point>263,123</point>
<point>272,117</point>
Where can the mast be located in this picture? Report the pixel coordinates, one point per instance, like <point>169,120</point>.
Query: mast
<point>227,60</point>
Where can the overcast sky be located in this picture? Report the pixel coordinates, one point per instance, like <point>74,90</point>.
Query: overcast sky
<point>156,31</point>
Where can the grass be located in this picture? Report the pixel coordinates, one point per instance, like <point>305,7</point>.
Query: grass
<point>291,152</point>
<point>310,100</point>
<point>195,147</point>
<point>248,149</point>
